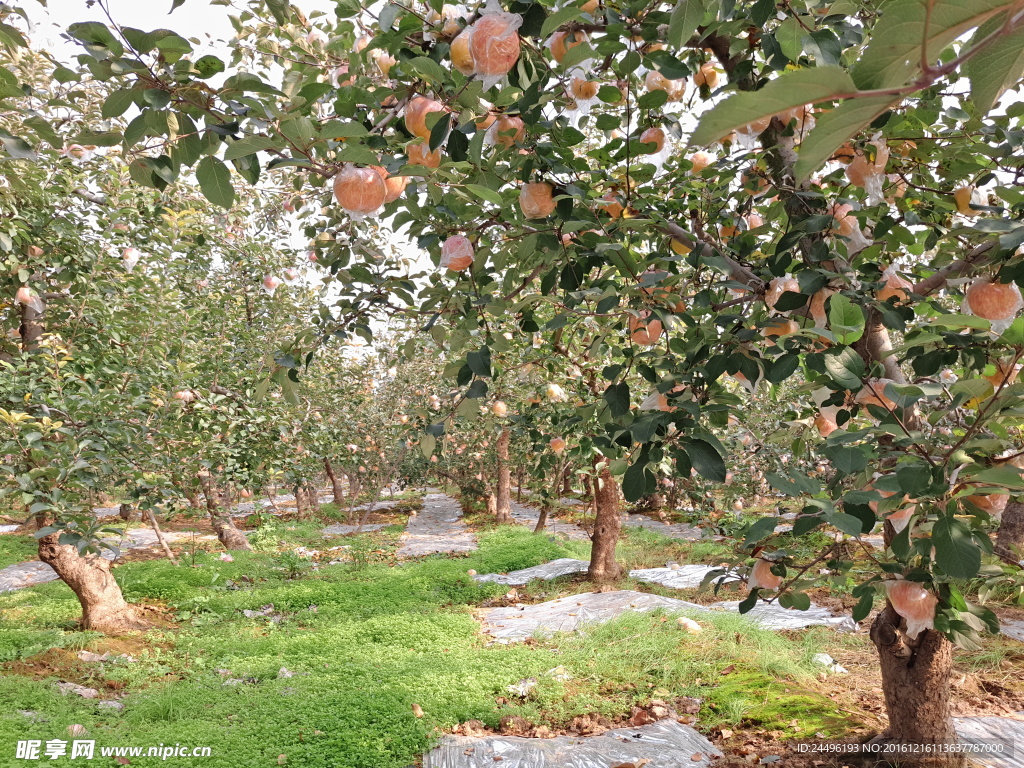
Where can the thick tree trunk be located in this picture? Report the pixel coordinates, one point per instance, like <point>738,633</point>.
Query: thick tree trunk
<point>607,525</point>
<point>492,505</point>
<point>503,508</point>
<point>125,511</point>
<point>915,681</point>
<point>103,606</point>
<point>566,481</point>
<point>223,525</point>
<point>1010,538</point>
<point>336,487</point>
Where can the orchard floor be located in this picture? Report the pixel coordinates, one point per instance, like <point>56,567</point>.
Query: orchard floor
<point>270,661</point>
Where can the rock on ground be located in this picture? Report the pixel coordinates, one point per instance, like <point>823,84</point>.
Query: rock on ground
<point>437,528</point>
<point>664,744</point>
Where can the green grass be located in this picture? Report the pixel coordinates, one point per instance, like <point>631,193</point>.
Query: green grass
<point>17,548</point>
<point>365,643</point>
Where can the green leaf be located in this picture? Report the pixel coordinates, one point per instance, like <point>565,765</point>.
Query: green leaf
<point>760,529</point>
<point>208,66</point>
<point>280,9</point>
<point>996,67</point>
<point>215,182</point>
<point>790,37</point>
<point>955,551</point>
<point>846,319</point>
<point>836,126</point>
<point>99,41</point>
<point>1004,477</point>
<point>249,145</point>
<point>909,31</point>
<point>480,362</point>
<point>792,89</point>
<point>794,483</point>
<point>796,601</point>
<point>685,18</point>
<point>488,195</point>
<point>118,102</point>
<point>864,606</point>
<point>342,129</point>
<point>18,148</point>
<point>617,397</point>
<point>706,460</point>
<point>558,18</point>
<point>636,480</point>
<point>845,367</point>
<point>439,131</point>
<point>848,459</point>
<point>427,445</point>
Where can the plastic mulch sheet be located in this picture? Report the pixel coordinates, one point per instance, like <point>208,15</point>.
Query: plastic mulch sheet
<point>1000,740</point>
<point>546,571</point>
<point>672,530</point>
<point>343,530</point>
<point>437,528</point>
<point>774,616</point>
<point>666,744</point>
<point>679,577</point>
<point>566,614</point>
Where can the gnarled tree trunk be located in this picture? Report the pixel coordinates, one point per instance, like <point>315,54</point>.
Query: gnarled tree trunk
<point>503,499</point>
<point>125,511</point>
<point>1010,538</point>
<point>223,525</point>
<point>607,525</point>
<point>103,605</point>
<point>915,682</point>
<point>336,488</point>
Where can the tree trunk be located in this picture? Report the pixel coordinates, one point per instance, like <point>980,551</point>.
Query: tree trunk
<point>492,505</point>
<point>223,525</point>
<point>103,605</point>
<point>503,508</point>
<point>1010,538</point>
<point>31,328</point>
<point>312,500</point>
<point>125,511</point>
<point>607,525</point>
<point>519,484</point>
<point>160,537</point>
<point>542,519</point>
<point>915,681</point>
<point>336,488</point>
<point>566,481</point>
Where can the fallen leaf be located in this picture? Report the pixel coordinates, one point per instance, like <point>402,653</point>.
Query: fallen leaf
<point>697,757</point>
<point>728,670</point>
<point>417,710</point>
<point>282,759</point>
